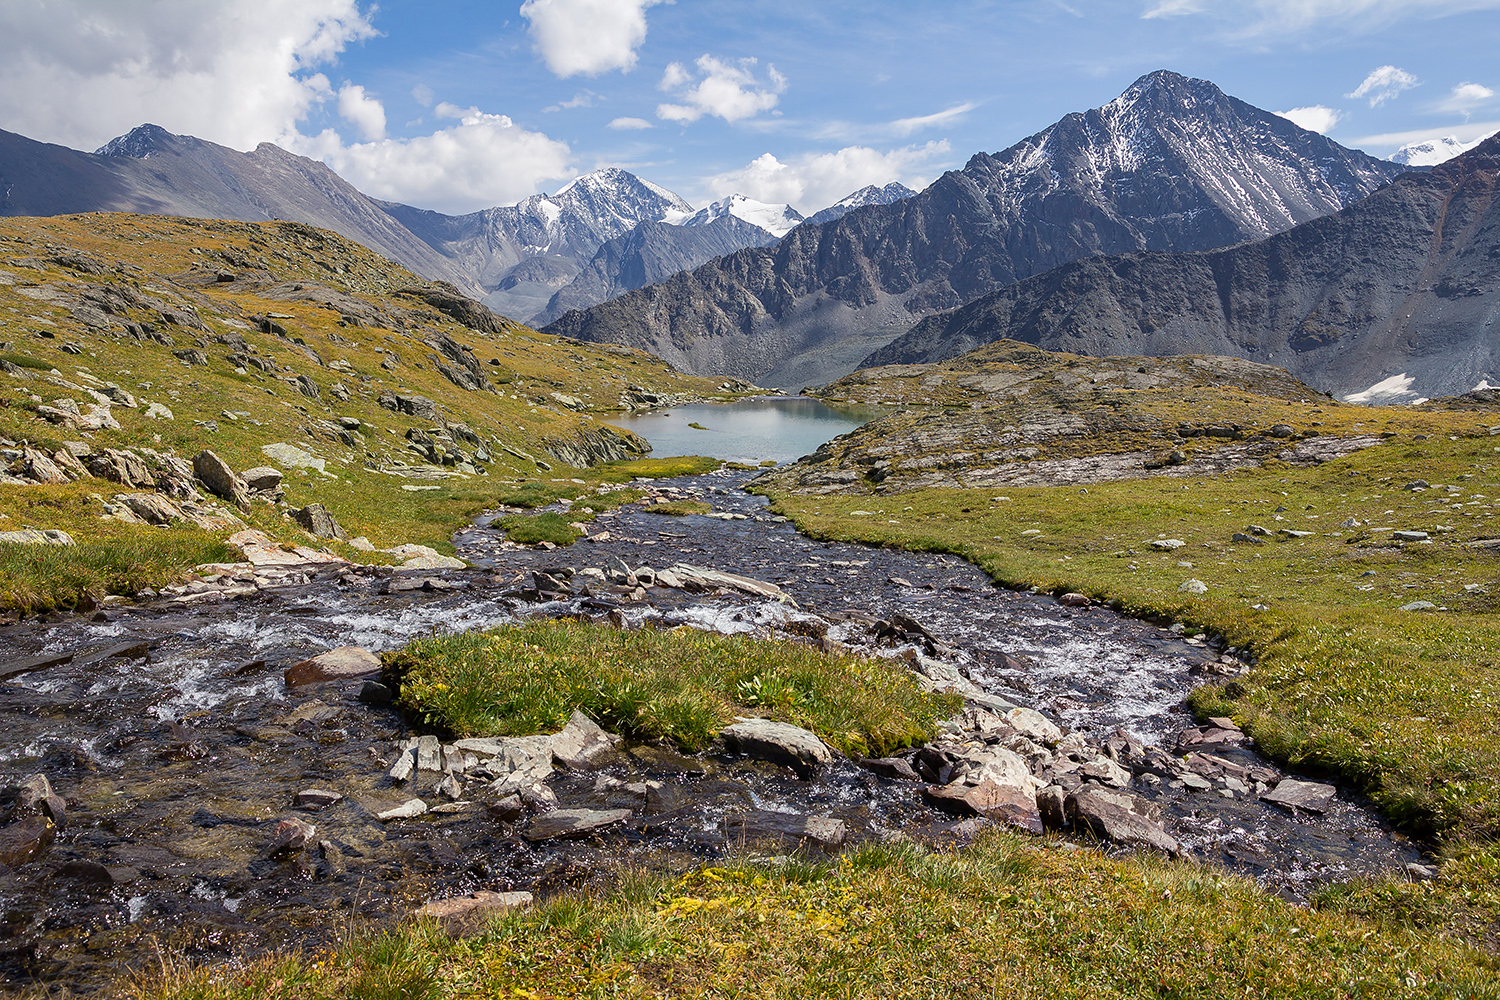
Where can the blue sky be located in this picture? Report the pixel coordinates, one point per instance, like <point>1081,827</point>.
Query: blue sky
<point>460,105</point>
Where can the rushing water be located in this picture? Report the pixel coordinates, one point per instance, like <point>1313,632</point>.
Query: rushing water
<point>749,430</point>
<point>176,770</point>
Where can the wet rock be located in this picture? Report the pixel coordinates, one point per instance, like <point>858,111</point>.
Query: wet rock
<point>405,765</point>
<point>508,809</point>
<point>891,767</point>
<point>825,830</point>
<point>429,754</point>
<point>1120,817</point>
<point>538,797</point>
<point>221,480</point>
<point>375,693</point>
<point>450,787</point>
<point>581,743</point>
<point>1309,795</point>
<point>410,809</point>
<point>989,799</point>
<point>763,739</point>
<point>697,578</point>
<point>25,840</point>
<point>564,823</point>
<point>1074,600</point>
<point>291,834</point>
<point>341,664</point>
<point>15,668</point>
<point>1107,772</point>
<point>463,915</point>
<point>316,521</point>
<point>313,799</point>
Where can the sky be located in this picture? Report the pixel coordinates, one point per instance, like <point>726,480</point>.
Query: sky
<point>457,106</point>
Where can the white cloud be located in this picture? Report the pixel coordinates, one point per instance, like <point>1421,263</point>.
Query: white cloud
<point>483,160</point>
<point>365,112</point>
<point>629,124</point>
<point>1383,83</point>
<point>1173,8</point>
<point>1316,118</point>
<point>423,95</point>
<point>814,181</point>
<point>906,126</point>
<point>80,72</point>
<point>1298,17</point>
<point>582,99</point>
<point>728,90</point>
<point>587,36</point>
<point>1464,99</point>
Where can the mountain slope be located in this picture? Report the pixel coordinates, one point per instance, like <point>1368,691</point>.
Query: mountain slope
<point>151,171</point>
<point>1172,164</point>
<point>1406,282</point>
<point>867,195</point>
<point>651,252</point>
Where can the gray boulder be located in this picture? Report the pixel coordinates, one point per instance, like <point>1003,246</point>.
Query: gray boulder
<point>1119,817</point>
<point>560,823</point>
<point>316,521</point>
<point>221,480</point>
<point>763,739</point>
<point>1310,795</point>
<point>262,478</point>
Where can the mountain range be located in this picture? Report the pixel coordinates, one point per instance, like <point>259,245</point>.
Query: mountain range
<point>516,258</point>
<point>1172,164</point>
<point>1394,298</point>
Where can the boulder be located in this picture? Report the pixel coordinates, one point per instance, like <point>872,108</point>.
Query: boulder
<point>1310,795</point>
<point>891,767</point>
<point>34,536</point>
<point>462,915</point>
<point>581,743</point>
<point>1033,725</point>
<point>341,664</point>
<point>26,840</point>
<point>221,480</point>
<point>1120,817</point>
<point>292,457</point>
<point>119,466</point>
<point>797,748</point>
<point>262,478</point>
<point>410,809</point>
<point>987,798</point>
<point>561,823</point>
<point>15,668</point>
<point>290,834</point>
<point>316,521</point>
<point>313,799</point>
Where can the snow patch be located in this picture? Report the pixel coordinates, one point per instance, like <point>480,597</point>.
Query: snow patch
<point>1396,389</point>
<point>1431,152</point>
<point>778,220</point>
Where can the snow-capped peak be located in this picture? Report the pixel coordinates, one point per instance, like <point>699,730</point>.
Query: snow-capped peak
<point>778,220</point>
<point>868,195</point>
<point>1431,152</point>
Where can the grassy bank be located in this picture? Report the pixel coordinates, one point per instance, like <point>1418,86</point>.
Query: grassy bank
<point>684,685</point>
<point>1010,917</point>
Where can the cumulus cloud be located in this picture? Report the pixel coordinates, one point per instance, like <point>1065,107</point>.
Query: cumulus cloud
<point>728,90</point>
<point>1465,98</point>
<point>1316,118</point>
<point>364,112</point>
<point>587,36</point>
<point>1383,83</point>
<point>814,181</point>
<point>629,124</point>
<point>79,72</point>
<point>483,160</point>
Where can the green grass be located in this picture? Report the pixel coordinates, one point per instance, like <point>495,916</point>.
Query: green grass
<point>37,578</point>
<point>26,361</point>
<point>697,426</point>
<point>531,529</point>
<point>1009,917</point>
<point>536,493</point>
<point>679,508</point>
<point>684,685</point>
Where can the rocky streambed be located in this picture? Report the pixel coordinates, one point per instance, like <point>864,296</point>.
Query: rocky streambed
<point>191,796</point>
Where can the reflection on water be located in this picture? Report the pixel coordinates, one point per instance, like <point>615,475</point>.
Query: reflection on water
<point>749,430</point>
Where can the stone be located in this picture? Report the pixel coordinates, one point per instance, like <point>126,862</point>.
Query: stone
<point>313,799</point>
<point>699,578</point>
<point>763,739</point>
<point>341,664</point>
<point>1310,795</point>
<point>15,668</point>
<point>450,787</point>
<point>1107,771</point>
<point>581,743</point>
<point>429,753</point>
<point>1193,587</point>
<point>361,544</point>
<point>1167,544</point>
<point>508,809</point>
<point>563,823</point>
<point>1409,536</point>
<point>33,536</point>
<point>1240,536</point>
<point>989,799</point>
<point>156,411</point>
<point>291,457</point>
<point>410,809</point>
<point>406,763</point>
<point>262,478</point>
<point>1051,803</point>
<point>26,840</point>
<point>35,797</point>
<point>1418,606</point>
<point>291,834</point>
<point>375,693</point>
<point>1120,817</point>
<point>463,915</point>
<point>1033,725</point>
<point>1074,600</point>
<point>316,521</point>
<point>221,480</point>
<point>825,830</point>
<point>424,557</point>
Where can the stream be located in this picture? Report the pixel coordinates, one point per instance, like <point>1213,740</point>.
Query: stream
<point>176,768</point>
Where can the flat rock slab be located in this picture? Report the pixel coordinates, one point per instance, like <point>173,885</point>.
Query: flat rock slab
<point>763,739</point>
<point>1120,817</point>
<point>341,664</point>
<point>461,915</point>
<point>1310,795</point>
<point>15,668</point>
<point>1001,803</point>
<point>700,578</point>
<point>262,551</point>
<point>410,809</point>
<point>560,823</point>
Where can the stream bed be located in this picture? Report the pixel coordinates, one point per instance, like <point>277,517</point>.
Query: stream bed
<point>177,767</point>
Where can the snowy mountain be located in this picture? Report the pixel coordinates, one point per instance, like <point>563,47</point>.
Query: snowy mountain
<point>868,195</point>
<point>1171,164</point>
<point>778,220</point>
<point>1431,152</point>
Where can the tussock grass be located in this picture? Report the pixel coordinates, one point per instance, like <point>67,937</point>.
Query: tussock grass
<point>1008,917</point>
<point>684,685</point>
<point>530,529</point>
<point>679,508</point>
<point>46,577</point>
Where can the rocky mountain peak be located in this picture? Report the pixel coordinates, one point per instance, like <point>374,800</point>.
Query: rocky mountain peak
<point>140,142</point>
<point>778,220</point>
<point>870,194</point>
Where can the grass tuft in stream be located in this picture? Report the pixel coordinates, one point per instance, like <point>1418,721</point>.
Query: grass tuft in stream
<point>685,685</point>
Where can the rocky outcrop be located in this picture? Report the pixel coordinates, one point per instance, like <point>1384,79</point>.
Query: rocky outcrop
<point>1404,282</point>
<point>591,445</point>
